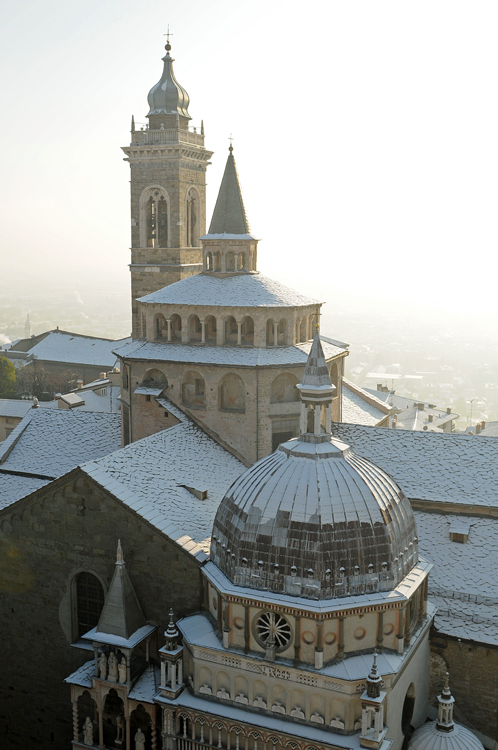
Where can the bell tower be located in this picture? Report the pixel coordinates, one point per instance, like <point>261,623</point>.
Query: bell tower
<point>168,164</point>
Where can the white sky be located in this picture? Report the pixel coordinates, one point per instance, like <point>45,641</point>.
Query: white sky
<point>365,138</point>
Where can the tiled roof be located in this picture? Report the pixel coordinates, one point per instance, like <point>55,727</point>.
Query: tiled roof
<point>62,346</point>
<point>463,581</point>
<point>241,290</point>
<point>147,685</point>
<point>83,676</point>
<point>48,443</point>
<point>14,407</point>
<point>226,356</point>
<point>356,410</point>
<point>93,402</point>
<point>148,476</point>
<point>13,487</point>
<point>430,466</point>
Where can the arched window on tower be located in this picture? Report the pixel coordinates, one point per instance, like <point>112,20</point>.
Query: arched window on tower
<point>191,219</point>
<point>155,218</point>
<point>89,601</point>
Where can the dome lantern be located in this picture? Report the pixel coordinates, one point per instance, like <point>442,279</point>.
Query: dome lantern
<point>168,100</point>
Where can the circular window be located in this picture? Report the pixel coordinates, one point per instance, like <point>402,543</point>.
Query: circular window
<point>359,633</point>
<point>388,629</point>
<point>238,623</point>
<point>308,637</point>
<point>271,626</point>
<point>330,639</point>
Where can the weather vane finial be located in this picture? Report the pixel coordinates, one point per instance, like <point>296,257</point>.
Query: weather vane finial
<point>168,45</point>
<point>230,148</point>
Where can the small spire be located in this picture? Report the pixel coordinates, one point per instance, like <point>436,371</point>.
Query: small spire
<point>230,148</point>
<point>446,703</point>
<point>202,127</point>
<point>132,123</point>
<point>229,214</point>
<point>374,680</point>
<point>171,633</point>
<point>316,373</point>
<point>119,554</point>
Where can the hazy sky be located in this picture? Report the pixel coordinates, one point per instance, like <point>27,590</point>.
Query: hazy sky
<point>365,138</point>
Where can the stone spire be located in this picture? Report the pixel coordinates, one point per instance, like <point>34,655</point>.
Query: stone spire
<point>229,216</point>
<point>374,680</point>
<point>446,703</point>
<point>317,392</point>
<point>122,614</point>
<point>167,97</point>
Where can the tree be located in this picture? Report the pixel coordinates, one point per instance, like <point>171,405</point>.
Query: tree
<point>35,380</point>
<point>7,378</point>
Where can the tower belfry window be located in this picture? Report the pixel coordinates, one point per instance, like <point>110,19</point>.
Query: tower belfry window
<point>156,220</point>
<point>191,220</point>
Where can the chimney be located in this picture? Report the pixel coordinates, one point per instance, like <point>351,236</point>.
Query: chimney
<point>420,406</point>
<point>379,387</point>
<point>448,410</point>
<point>483,425</point>
<point>79,383</point>
<point>431,417</point>
<point>478,428</point>
<point>103,375</point>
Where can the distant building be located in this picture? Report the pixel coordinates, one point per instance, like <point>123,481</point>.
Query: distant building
<point>11,412</point>
<point>408,414</point>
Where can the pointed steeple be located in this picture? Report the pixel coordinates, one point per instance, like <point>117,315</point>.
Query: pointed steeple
<point>229,216</point>
<point>317,391</point>
<point>122,614</point>
<point>316,373</point>
<point>374,680</point>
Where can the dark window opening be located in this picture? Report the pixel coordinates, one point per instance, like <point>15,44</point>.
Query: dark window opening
<point>89,602</point>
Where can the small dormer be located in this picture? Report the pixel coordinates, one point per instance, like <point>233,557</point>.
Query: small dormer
<point>459,531</point>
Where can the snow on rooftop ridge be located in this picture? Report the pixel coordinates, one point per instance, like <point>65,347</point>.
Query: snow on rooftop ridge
<point>14,407</point>
<point>51,442</point>
<point>146,475</point>
<point>240,290</point>
<point>63,346</point>
<point>437,467</point>
<point>225,356</point>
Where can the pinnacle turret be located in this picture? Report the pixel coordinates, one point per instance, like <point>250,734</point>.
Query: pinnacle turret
<point>168,97</point>
<point>121,614</point>
<point>229,216</point>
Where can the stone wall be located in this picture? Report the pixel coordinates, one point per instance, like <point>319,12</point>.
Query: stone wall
<point>473,670</point>
<point>45,540</point>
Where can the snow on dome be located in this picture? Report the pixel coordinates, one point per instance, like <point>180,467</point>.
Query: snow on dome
<point>315,520</point>
<point>429,737</point>
<point>241,290</point>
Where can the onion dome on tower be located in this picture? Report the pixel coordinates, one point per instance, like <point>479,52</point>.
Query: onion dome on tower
<point>167,97</point>
<point>444,733</point>
<point>314,519</point>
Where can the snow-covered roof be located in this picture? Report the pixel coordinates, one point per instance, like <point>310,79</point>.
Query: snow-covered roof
<point>147,685</point>
<point>48,443</point>
<point>410,416</point>
<point>359,407</point>
<point>225,356</point>
<point>92,401</point>
<point>463,581</point>
<point>440,467</point>
<point>148,476</point>
<point>240,290</point>
<point>63,346</point>
<point>83,675</point>
<point>14,407</point>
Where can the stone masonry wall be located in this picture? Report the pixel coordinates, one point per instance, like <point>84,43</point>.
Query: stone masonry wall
<point>473,670</point>
<point>69,526</point>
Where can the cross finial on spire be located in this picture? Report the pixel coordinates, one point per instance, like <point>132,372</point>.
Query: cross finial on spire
<point>167,35</point>
<point>230,148</point>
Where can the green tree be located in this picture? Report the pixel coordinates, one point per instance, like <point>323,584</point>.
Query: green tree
<point>7,378</point>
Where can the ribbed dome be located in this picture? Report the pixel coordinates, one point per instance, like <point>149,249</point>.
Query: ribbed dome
<point>167,97</point>
<point>314,519</point>
<point>428,737</point>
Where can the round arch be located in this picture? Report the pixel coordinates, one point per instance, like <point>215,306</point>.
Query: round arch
<point>154,217</point>
<point>194,390</point>
<point>232,393</point>
<point>283,389</point>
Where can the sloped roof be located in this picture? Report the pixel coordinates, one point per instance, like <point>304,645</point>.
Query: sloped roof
<point>148,476</point>
<point>463,581</point>
<point>441,467</point>
<point>225,356</point>
<point>229,215</point>
<point>14,407</point>
<point>356,409</point>
<point>240,290</point>
<point>92,401</point>
<point>63,346</point>
<point>48,443</point>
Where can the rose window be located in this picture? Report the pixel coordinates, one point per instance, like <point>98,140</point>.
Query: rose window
<point>272,627</point>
